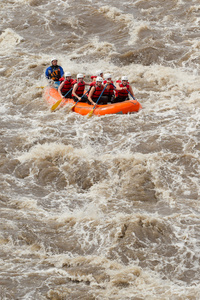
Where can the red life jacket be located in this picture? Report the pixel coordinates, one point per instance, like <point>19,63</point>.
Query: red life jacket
<point>93,83</point>
<point>67,86</point>
<point>109,90</point>
<point>80,89</point>
<point>97,92</point>
<point>122,93</point>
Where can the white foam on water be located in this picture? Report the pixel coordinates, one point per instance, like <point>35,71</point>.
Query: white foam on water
<point>9,39</point>
<point>133,25</point>
<point>106,206</point>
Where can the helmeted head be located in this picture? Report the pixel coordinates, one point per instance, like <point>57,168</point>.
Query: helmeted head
<point>107,76</point>
<point>68,74</point>
<point>54,60</point>
<point>99,79</point>
<point>124,78</point>
<point>79,76</point>
<point>99,73</point>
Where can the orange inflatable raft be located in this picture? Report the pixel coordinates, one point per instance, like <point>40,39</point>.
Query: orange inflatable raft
<point>51,96</point>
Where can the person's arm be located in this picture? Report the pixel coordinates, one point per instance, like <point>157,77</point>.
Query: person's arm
<point>60,88</point>
<point>131,91</point>
<point>90,95</point>
<point>48,72</point>
<point>74,91</point>
<point>119,88</point>
<point>61,72</point>
<point>87,83</point>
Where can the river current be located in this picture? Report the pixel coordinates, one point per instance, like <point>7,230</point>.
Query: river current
<point>105,208</point>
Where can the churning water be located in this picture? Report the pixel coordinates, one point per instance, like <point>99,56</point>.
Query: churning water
<point>106,207</point>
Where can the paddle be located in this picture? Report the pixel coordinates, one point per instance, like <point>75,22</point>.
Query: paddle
<point>91,112</point>
<point>131,95</point>
<point>78,100</point>
<point>59,101</point>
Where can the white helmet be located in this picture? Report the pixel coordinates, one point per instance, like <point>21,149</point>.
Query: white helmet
<point>54,58</point>
<point>67,74</point>
<point>99,72</point>
<point>99,78</point>
<point>107,76</point>
<point>125,78</point>
<point>79,76</point>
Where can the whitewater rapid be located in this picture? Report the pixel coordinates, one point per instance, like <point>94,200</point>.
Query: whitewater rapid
<point>106,207</point>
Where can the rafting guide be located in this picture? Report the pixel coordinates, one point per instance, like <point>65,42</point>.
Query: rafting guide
<point>54,72</point>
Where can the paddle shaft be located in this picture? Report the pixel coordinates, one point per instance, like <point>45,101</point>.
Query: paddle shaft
<point>91,112</point>
<point>100,96</point>
<point>67,93</point>
<point>80,99</point>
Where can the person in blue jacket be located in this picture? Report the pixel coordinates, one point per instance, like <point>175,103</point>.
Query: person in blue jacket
<point>54,72</point>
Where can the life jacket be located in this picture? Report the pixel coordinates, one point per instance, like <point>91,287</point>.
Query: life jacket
<point>80,88</point>
<point>74,82</point>
<point>55,74</point>
<point>109,90</point>
<point>67,86</point>
<point>123,93</point>
<point>97,91</point>
<point>93,83</point>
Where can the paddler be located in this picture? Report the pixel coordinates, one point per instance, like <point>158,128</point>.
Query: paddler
<point>96,91</point>
<point>54,72</point>
<point>79,88</point>
<point>109,91</point>
<point>122,90</point>
<point>66,86</point>
<point>98,73</point>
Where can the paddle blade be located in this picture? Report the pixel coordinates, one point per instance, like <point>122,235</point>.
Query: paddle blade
<point>56,105</point>
<point>89,115</point>
<point>70,108</point>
